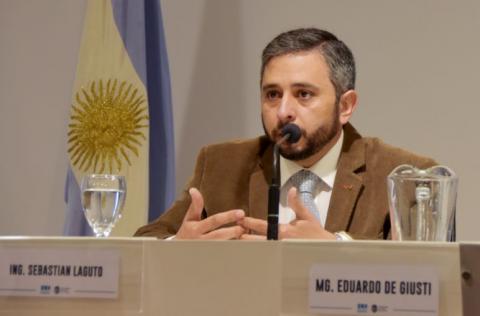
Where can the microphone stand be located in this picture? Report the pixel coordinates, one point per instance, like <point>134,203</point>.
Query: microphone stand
<point>292,134</point>
<point>274,193</point>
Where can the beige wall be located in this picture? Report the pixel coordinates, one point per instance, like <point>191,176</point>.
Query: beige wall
<point>417,65</point>
<point>39,43</point>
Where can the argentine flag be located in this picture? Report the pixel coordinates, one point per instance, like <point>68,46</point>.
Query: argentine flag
<point>121,117</point>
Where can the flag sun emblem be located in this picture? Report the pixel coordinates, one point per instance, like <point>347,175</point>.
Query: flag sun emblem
<point>106,126</point>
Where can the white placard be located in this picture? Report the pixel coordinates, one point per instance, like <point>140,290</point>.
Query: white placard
<point>373,290</point>
<point>91,273</point>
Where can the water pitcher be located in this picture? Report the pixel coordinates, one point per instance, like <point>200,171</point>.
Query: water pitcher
<point>422,203</point>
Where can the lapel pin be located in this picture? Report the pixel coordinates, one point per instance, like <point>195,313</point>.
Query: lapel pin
<point>348,186</point>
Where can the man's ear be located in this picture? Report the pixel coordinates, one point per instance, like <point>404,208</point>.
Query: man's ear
<point>347,104</point>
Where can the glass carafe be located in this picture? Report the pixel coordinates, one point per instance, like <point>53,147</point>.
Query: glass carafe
<point>422,203</point>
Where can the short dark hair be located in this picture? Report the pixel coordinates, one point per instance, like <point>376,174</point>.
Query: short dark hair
<point>338,56</point>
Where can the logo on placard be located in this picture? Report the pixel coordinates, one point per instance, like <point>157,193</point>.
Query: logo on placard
<point>60,290</point>
<point>379,308</point>
<point>45,289</point>
<point>362,308</point>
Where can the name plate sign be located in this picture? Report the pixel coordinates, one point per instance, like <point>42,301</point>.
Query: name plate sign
<point>87,273</point>
<point>373,290</point>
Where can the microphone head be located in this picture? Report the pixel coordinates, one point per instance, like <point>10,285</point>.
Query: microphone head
<point>293,131</point>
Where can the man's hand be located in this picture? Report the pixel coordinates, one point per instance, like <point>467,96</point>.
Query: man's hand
<point>306,225</point>
<point>195,228</point>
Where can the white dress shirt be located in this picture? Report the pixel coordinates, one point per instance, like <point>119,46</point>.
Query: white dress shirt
<point>325,169</point>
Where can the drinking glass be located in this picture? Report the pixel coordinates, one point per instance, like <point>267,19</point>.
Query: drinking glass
<point>103,197</point>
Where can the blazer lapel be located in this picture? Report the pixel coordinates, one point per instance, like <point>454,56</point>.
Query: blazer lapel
<point>348,182</point>
<point>259,182</point>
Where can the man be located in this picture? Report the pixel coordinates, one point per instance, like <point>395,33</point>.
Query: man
<point>307,79</point>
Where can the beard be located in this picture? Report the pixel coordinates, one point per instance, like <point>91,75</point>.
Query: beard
<point>314,142</point>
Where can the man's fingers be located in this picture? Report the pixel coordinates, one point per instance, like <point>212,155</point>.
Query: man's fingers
<point>252,237</point>
<point>220,219</point>
<point>297,206</point>
<point>224,233</point>
<point>254,224</point>
<point>196,206</point>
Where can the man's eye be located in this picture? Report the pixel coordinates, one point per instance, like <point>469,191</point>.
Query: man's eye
<point>304,94</point>
<point>272,94</point>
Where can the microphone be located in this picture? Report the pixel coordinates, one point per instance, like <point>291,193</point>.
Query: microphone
<point>290,133</point>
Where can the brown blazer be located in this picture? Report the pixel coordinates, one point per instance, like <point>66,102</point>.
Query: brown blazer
<point>236,175</point>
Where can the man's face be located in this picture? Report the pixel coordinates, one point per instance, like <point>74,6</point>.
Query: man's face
<point>296,88</point>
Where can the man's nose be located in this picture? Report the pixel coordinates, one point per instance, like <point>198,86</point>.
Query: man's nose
<point>286,111</point>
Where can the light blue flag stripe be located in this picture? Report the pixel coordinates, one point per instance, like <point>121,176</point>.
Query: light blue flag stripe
<point>141,28</point>
<point>162,149</point>
<point>75,222</point>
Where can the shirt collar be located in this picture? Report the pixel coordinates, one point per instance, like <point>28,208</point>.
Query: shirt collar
<point>325,168</point>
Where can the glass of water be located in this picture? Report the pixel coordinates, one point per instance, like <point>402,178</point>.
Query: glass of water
<point>103,197</point>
